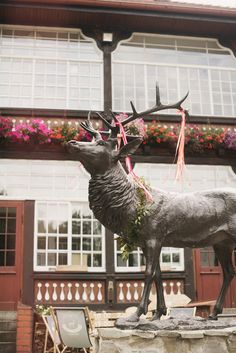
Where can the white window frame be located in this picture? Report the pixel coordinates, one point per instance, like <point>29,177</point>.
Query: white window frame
<point>170,266</point>
<point>69,233</point>
<point>190,102</point>
<point>127,268</point>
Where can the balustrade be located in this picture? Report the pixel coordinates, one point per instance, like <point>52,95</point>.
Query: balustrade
<point>69,292</point>
<point>93,292</point>
<point>131,291</point>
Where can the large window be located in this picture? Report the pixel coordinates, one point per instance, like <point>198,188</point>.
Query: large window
<point>46,68</point>
<point>171,259</point>
<point>68,234</point>
<point>179,64</point>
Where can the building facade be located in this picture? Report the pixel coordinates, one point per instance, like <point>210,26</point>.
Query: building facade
<point>58,61</point>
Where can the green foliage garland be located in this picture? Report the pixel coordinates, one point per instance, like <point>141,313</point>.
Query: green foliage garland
<point>129,241</point>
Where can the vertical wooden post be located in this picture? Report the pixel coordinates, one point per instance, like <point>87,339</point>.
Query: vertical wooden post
<point>28,254</point>
<point>107,79</point>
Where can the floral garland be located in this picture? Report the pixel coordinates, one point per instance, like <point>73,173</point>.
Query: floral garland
<point>198,138</point>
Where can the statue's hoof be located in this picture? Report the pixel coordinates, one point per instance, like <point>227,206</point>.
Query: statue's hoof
<point>212,317</point>
<point>155,318</point>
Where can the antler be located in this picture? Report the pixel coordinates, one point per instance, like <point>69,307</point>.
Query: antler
<point>157,107</point>
<point>87,125</point>
<point>115,128</point>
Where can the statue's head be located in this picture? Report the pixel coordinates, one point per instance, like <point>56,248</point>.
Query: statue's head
<point>100,155</point>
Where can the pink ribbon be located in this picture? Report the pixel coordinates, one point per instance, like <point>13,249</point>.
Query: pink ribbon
<point>180,147</point>
<point>180,165</point>
<point>129,165</point>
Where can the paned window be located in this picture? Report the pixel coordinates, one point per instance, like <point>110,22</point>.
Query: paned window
<point>47,68</point>
<point>68,234</point>
<point>201,66</point>
<point>208,257</point>
<point>7,236</point>
<point>135,261</point>
<point>171,259</point>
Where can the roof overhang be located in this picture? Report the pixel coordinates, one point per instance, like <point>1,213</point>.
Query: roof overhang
<point>135,16</point>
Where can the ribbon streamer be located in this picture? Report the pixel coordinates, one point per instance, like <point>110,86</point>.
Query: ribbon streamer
<point>129,165</point>
<point>180,147</point>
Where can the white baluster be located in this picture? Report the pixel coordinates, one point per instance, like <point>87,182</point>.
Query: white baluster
<point>92,296</point>
<point>99,292</point>
<point>84,295</point>
<point>47,297</point>
<point>62,294</point>
<point>142,286</point>
<point>77,296</point>
<point>128,294</point>
<point>164,288</point>
<point>54,294</point>
<point>172,288</point>
<point>121,294</point>
<point>39,294</point>
<point>69,295</point>
<point>178,288</point>
<point>136,291</point>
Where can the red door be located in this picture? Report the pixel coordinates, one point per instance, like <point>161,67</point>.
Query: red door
<point>11,234</point>
<point>208,276</point>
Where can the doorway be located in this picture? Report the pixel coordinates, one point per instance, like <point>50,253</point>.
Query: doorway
<point>11,253</point>
<point>208,276</point>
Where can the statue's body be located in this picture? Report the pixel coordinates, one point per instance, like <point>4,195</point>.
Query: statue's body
<point>193,220</point>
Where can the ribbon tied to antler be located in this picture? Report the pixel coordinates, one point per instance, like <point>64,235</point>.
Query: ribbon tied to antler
<point>129,165</point>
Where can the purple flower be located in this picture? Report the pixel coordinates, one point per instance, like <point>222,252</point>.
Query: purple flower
<point>230,140</point>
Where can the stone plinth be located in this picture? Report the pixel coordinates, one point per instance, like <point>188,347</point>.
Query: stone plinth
<point>215,340</point>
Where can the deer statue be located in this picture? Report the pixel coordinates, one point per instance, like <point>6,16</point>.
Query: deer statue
<point>195,220</point>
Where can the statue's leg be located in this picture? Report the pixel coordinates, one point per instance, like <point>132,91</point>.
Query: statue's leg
<point>161,305</point>
<point>152,257</point>
<point>224,255</point>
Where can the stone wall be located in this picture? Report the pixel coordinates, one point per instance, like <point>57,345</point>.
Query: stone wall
<point>137,341</point>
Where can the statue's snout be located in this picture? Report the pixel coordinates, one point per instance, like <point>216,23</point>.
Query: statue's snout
<point>72,145</point>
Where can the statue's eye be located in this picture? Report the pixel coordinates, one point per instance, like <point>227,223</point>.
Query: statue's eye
<point>101,143</point>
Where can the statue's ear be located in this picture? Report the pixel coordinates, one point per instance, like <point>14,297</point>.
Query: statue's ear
<point>129,149</point>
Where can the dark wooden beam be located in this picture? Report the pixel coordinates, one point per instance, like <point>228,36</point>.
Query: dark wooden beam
<point>28,253</point>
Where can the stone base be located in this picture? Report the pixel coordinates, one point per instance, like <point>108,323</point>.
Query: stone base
<point>215,340</point>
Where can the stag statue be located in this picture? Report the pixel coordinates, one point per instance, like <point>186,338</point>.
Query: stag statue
<point>195,220</point>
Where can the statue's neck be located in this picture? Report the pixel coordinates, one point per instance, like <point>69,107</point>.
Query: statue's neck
<point>112,197</point>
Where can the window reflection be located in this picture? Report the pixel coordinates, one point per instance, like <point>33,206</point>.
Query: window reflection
<point>208,257</point>
<point>52,259</point>
<point>41,242</point>
<point>11,241</point>
<point>52,227</point>
<point>10,258</point>
<point>203,65</point>
<point>52,242</point>
<point>71,227</point>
